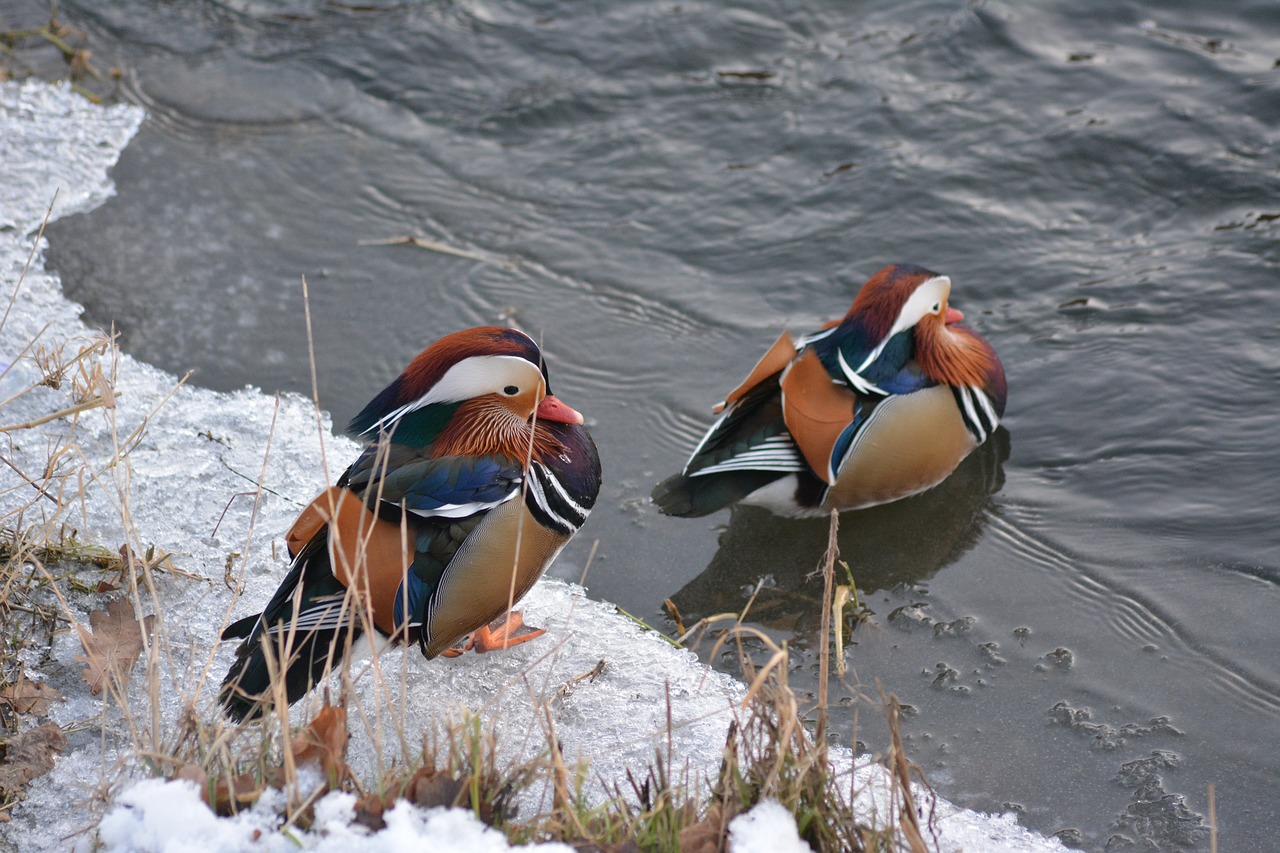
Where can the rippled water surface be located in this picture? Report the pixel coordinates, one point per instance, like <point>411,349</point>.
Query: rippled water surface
<point>1082,620</point>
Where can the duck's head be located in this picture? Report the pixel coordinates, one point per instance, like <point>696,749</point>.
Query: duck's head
<point>904,298</point>
<point>491,369</point>
<point>901,297</point>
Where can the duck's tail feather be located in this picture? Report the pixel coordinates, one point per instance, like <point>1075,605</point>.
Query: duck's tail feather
<point>247,690</point>
<point>304,632</point>
<point>692,497</point>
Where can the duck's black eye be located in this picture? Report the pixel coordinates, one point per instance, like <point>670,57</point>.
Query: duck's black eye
<point>511,390</point>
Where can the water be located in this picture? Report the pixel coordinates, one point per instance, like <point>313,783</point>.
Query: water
<point>1081,620</point>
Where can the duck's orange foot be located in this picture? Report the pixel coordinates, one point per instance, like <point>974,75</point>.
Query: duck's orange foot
<point>502,633</point>
<point>505,632</point>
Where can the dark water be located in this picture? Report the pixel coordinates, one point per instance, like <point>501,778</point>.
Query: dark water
<point>1083,620</point>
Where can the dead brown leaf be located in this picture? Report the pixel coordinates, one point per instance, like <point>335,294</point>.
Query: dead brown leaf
<point>705,836</point>
<point>29,697</point>
<point>29,755</point>
<point>114,646</point>
<point>324,740</point>
<point>231,795</point>
<point>128,558</point>
<point>371,807</point>
<point>195,773</point>
<point>428,789</point>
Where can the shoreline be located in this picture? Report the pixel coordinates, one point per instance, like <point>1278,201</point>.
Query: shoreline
<point>186,487</point>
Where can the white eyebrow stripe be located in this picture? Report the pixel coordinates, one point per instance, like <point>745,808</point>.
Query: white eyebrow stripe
<point>470,377</point>
<point>913,311</point>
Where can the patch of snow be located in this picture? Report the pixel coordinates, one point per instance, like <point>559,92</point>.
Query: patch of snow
<point>188,486</point>
<point>767,828</point>
<point>156,816</point>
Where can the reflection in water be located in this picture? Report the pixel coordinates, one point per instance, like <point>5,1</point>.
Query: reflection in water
<point>893,545</point>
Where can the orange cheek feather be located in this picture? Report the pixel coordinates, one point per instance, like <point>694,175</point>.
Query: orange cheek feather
<point>953,356</point>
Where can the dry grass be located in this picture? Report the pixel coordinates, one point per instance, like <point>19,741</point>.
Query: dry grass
<point>770,752</point>
<point>775,749</point>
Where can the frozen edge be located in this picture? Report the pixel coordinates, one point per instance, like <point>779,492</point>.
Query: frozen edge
<point>200,450</point>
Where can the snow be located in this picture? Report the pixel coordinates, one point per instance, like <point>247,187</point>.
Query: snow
<point>187,485</point>
<point>767,828</point>
<point>155,816</point>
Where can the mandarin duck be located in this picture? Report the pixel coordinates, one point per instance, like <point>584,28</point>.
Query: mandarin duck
<point>876,406</point>
<point>472,479</point>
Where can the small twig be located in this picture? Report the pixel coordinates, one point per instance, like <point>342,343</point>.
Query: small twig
<point>93,403</point>
<point>591,558</point>
<point>837,613</point>
<point>13,298</point>
<point>315,382</point>
<point>226,508</point>
<point>824,656</point>
<point>31,343</point>
<point>647,626</point>
<point>1213,821</point>
<point>30,481</point>
<point>674,613</point>
<point>592,674</point>
<point>900,770</point>
<point>433,246</point>
<point>249,479</point>
<point>36,611</point>
<point>707,622</point>
<point>746,608</point>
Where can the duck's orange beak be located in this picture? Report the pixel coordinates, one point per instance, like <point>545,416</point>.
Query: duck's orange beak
<point>551,409</point>
<point>953,315</point>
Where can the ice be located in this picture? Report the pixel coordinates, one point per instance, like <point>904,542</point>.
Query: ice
<point>53,140</point>
<point>182,464</point>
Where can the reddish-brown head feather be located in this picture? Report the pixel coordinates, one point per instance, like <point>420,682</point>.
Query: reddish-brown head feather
<point>880,300</point>
<point>948,353</point>
<point>434,361</point>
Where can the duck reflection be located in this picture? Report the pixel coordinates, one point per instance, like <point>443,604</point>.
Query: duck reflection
<point>892,545</point>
